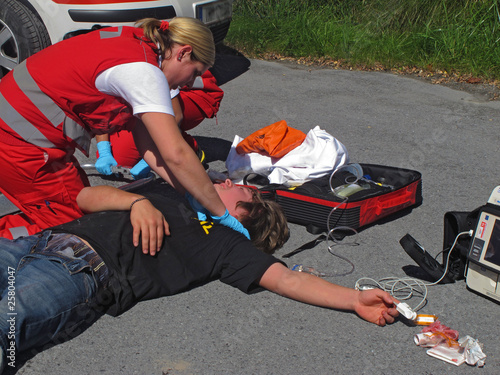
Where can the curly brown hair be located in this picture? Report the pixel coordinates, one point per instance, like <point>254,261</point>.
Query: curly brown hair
<point>266,223</point>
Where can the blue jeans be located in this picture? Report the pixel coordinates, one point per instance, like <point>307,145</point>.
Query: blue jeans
<point>45,296</point>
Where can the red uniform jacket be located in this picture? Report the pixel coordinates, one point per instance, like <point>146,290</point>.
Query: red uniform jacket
<point>50,100</point>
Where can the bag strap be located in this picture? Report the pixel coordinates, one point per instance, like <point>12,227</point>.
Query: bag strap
<point>456,222</point>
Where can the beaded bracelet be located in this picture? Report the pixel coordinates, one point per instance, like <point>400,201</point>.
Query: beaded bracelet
<point>137,200</point>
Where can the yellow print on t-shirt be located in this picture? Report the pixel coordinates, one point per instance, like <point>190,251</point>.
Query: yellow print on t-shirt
<point>206,225</point>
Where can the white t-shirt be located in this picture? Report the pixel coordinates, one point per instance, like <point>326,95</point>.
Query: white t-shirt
<point>141,84</point>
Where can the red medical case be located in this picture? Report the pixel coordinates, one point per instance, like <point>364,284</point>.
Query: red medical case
<point>386,191</point>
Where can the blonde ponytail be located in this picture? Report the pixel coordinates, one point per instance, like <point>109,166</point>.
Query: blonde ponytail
<point>183,31</point>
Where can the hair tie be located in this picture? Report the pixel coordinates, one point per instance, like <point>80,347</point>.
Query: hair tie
<point>164,25</point>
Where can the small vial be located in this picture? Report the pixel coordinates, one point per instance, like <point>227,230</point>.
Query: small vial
<point>425,319</point>
<point>307,269</point>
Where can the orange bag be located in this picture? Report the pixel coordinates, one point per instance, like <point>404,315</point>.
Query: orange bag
<point>275,140</point>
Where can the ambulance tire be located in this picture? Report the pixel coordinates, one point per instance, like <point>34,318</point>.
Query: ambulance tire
<point>22,34</point>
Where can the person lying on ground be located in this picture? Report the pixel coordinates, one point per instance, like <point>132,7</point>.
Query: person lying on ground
<point>73,273</point>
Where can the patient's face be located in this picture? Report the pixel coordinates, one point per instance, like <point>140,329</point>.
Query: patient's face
<point>231,194</point>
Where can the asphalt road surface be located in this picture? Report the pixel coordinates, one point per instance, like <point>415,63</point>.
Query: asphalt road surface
<point>451,137</point>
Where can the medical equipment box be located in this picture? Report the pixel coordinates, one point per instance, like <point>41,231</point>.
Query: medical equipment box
<point>334,201</point>
<point>483,268</point>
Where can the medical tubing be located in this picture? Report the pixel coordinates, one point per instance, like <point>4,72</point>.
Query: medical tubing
<point>307,269</point>
<point>330,249</point>
<point>331,230</point>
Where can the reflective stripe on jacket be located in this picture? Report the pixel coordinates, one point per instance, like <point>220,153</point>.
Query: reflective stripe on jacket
<point>50,100</point>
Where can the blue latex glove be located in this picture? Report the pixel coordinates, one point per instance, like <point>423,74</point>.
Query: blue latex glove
<point>201,211</point>
<point>140,170</point>
<point>231,222</point>
<point>106,159</point>
<point>226,219</point>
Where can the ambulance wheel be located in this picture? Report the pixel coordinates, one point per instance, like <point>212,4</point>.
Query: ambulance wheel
<point>22,34</point>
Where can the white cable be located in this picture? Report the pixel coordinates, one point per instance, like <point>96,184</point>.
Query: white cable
<point>409,286</point>
<point>448,257</point>
<point>331,230</point>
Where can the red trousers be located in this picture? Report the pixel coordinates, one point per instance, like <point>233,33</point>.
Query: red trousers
<point>125,152</point>
<point>42,183</point>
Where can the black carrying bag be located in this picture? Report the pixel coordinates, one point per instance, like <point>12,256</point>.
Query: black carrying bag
<point>455,248</point>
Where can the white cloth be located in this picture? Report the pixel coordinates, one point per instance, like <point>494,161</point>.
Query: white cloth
<point>318,155</point>
<point>473,351</point>
<point>141,84</point>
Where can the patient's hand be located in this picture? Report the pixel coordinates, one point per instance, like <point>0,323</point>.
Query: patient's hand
<point>376,306</point>
<point>150,225</point>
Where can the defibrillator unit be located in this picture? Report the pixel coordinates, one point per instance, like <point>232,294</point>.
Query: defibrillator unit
<point>483,266</point>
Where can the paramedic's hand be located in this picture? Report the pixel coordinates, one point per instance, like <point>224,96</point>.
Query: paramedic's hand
<point>226,219</point>
<point>150,225</point>
<point>376,306</point>
<point>140,170</point>
<point>199,209</point>
<point>106,159</point>
<point>231,222</point>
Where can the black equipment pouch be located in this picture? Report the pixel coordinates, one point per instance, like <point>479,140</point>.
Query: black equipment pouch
<point>456,222</point>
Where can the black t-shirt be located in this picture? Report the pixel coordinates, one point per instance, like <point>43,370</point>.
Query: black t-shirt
<point>194,254</point>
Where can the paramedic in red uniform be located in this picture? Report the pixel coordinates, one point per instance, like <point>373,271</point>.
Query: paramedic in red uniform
<point>191,106</point>
<point>99,83</point>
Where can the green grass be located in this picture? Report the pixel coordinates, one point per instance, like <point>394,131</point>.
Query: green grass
<point>461,36</point>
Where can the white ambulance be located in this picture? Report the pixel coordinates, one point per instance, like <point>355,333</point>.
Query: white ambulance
<point>27,26</point>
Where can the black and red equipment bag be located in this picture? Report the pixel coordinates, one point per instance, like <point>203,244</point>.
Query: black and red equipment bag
<point>387,190</point>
